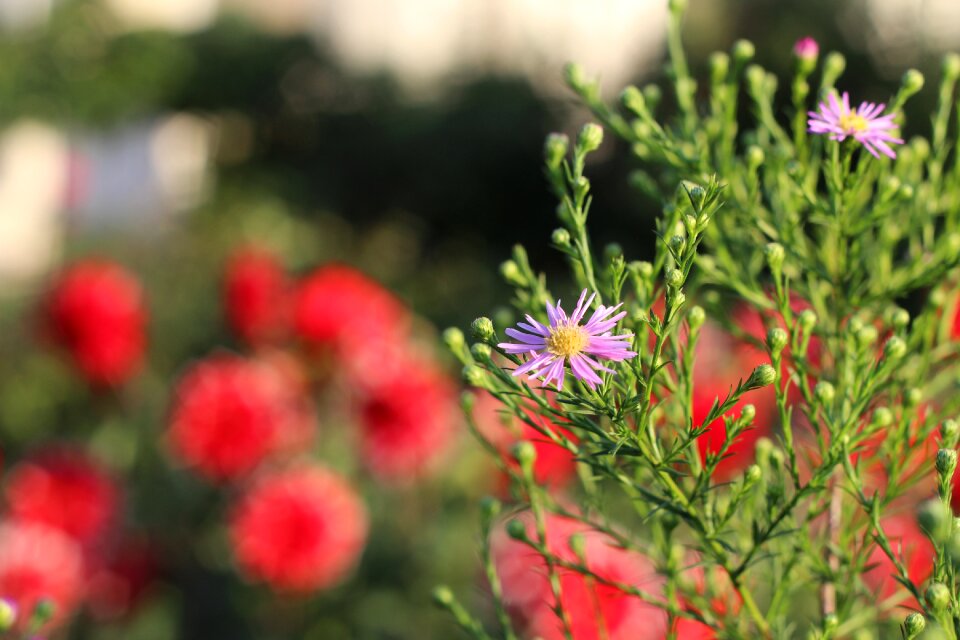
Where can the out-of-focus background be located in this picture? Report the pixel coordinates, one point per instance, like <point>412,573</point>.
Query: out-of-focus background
<point>400,137</point>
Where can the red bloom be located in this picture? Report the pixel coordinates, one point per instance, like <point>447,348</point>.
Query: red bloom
<point>916,553</point>
<point>407,420</point>
<point>230,413</point>
<point>119,582</point>
<point>554,466</point>
<point>256,296</point>
<point>721,360</point>
<point>66,490</point>
<point>337,308</point>
<point>95,311</point>
<point>530,601</point>
<point>38,562</point>
<point>299,530</point>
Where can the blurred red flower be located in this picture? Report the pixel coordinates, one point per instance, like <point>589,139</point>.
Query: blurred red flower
<point>554,465</point>
<point>67,490</point>
<point>530,601</point>
<point>95,310</point>
<point>339,309</point>
<point>38,562</point>
<point>256,296</point>
<point>299,530</point>
<point>915,551</point>
<point>230,413</point>
<point>119,581</point>
<point>407,419</point>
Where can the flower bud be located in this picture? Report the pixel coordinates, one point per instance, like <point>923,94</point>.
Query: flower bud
<point>774,254</point>
<point>937,596</point>
<point>474,375</point>
<point>762,450</point>
<point>575,75</point>
<point>643,269</point>
<point>697,193</point>
<point>512,274</point>
<point>912,397</point>
<point>561,237</point>
<point>516,530</point>
<point>755,77</point>
<point>443,596</point>
<point>677,6</point>
<point>678,299</point>
<point>8,614</point>
<point>824,393</point>
<point>899,318</point>
<point>808,320</point>
<point>752,476</point>
<point>867,336</point>
<point>748,413</point>
<point>555,149</point>
<point>677,243</point>
<point>719,66</point>
<point>951,66</point>
<point>467,401</point>
<point>613,251</point>
<point>834,64</point>
<point>743,51</point>
<point>578,546</point>
<point>525,453</point>
<point>946,462</point>
<point>482,329</point>
<point>882,417</point>
<point>481,351</point>
<point>806,51</point>
<point>454,339</point>
<point>762,376</point>
<point>633,100</point>
<point>895,348</point>
<point>914,624</point>
<point>912,82</point>
<point>674,278</point>
<point>935,520</point>
<point>755,157</point>
<point>949,433</point>
<point>776,340</point>
<point>590,138</point>
<point>696,317</point>
<point>490,508</point>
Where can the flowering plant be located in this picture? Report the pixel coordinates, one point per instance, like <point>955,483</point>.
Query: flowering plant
<point>762,416</point>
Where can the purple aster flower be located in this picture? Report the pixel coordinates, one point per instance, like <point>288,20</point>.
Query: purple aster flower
<point>566,340</point>
<point>865,125</point>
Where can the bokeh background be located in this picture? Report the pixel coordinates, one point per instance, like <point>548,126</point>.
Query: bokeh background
<point>401,137</point>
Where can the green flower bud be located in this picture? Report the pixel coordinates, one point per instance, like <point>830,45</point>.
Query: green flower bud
<point>674,278</point>
<point>474,375</point>
<point>467,401</point>
<point>951,66</point>
<point>643,269</point>
<point>761,377</point>
<point>678,299</point>
<point>763,448</point>
<point>776,460</point>
<point>899,319</point>
<point>697,193</point>
<point>748,413</point>
<point>578,546</point>
<point>912,397</point>
<point>525,453</point>
<point>755,77</point>
<point>561,237</point>
<point>752,476</point>
<point>512,274</point>
<point>937,596</point>
<point>949,433</point>
<point>774,254</point>
<point>912,82</point>
<point>743,50</point>
<point>633,100</point>
<point>576,76</point>
<point>516,530</point>
<point>855,325</point>
<point>454,339</point>
<point>590,138</point>
<point>482,329</point>
<point>555,149</point>
<point>946,462</point>
<point>481,351</point>
<point>914,624</point>
<point>755,157</point>
<point>719,66</point>
<point>490,508</point>
<point>882,417</point>
<point>834,64</point>
<point>808,320</point>
<point>824,393</point>
<point>677,6</point>
<point>612,251</point>
<point>677,243</point>
<point>935,520</point>
<point>652,94</point>
<point>443,596</point>
<point>8,614</point>
<point>867,336</point>
<point>895,348</point>
<point>696,317</point>
<point>776,340</point>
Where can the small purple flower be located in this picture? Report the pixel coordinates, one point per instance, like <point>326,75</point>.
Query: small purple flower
<point>806,49</point>
<point>567,340</point>
<point>865,125</point>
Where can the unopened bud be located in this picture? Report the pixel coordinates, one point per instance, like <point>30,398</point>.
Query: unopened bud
<point>590,138</point>
<point>882,417</point>
<point>633,100</point>
<point>805,51</point>
<point>516,530</point>
<point>951,65</point>
<point>949,433</point>
<point>935,520</point>
<point>490,508</point>
<point>774,254</point>
<point>719,65</point>
<point>677,243</point>
<point>512,274</point>
<point>696,317</point>
<point>761,377</point>
<point>834,64</point>
<point>748,413</point>
<point>867,336</point>
<point>473,375</point>
<point>912,397</point>
<point>937,596</point>
<point>612,251</point>
<point>454,339</point>
<point>643,269</point>
<point>914,624</point>
<point>776,340</point>
<point>743,50</point>
<point>482,329</point>
<point>443,596</point>
<point>824,392</point>
<point>899,318</point>
<point>762,450</point>
<point>555,149</point>
<point>752,476</point>
<point>946,462</point>
<point>755,157</point>
<point>561,237</point>
<point>808,320</point>
<point>467,401</point>
<point>525,453</point>
<point>895,348</point>
<point>674,278</point>
<point>577,544</point>
<point>481,351</point>
<point>576,76</point>
<point>912,81</point>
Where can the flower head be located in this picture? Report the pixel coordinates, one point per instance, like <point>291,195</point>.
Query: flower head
<point>865,124</point>
<point>299,530</point>
<point>566,340</point>
<point>806,49</point>
<point>256,295</point>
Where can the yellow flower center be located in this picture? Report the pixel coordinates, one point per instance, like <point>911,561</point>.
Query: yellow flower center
<point>567,340</point>
<point>853,123</point>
